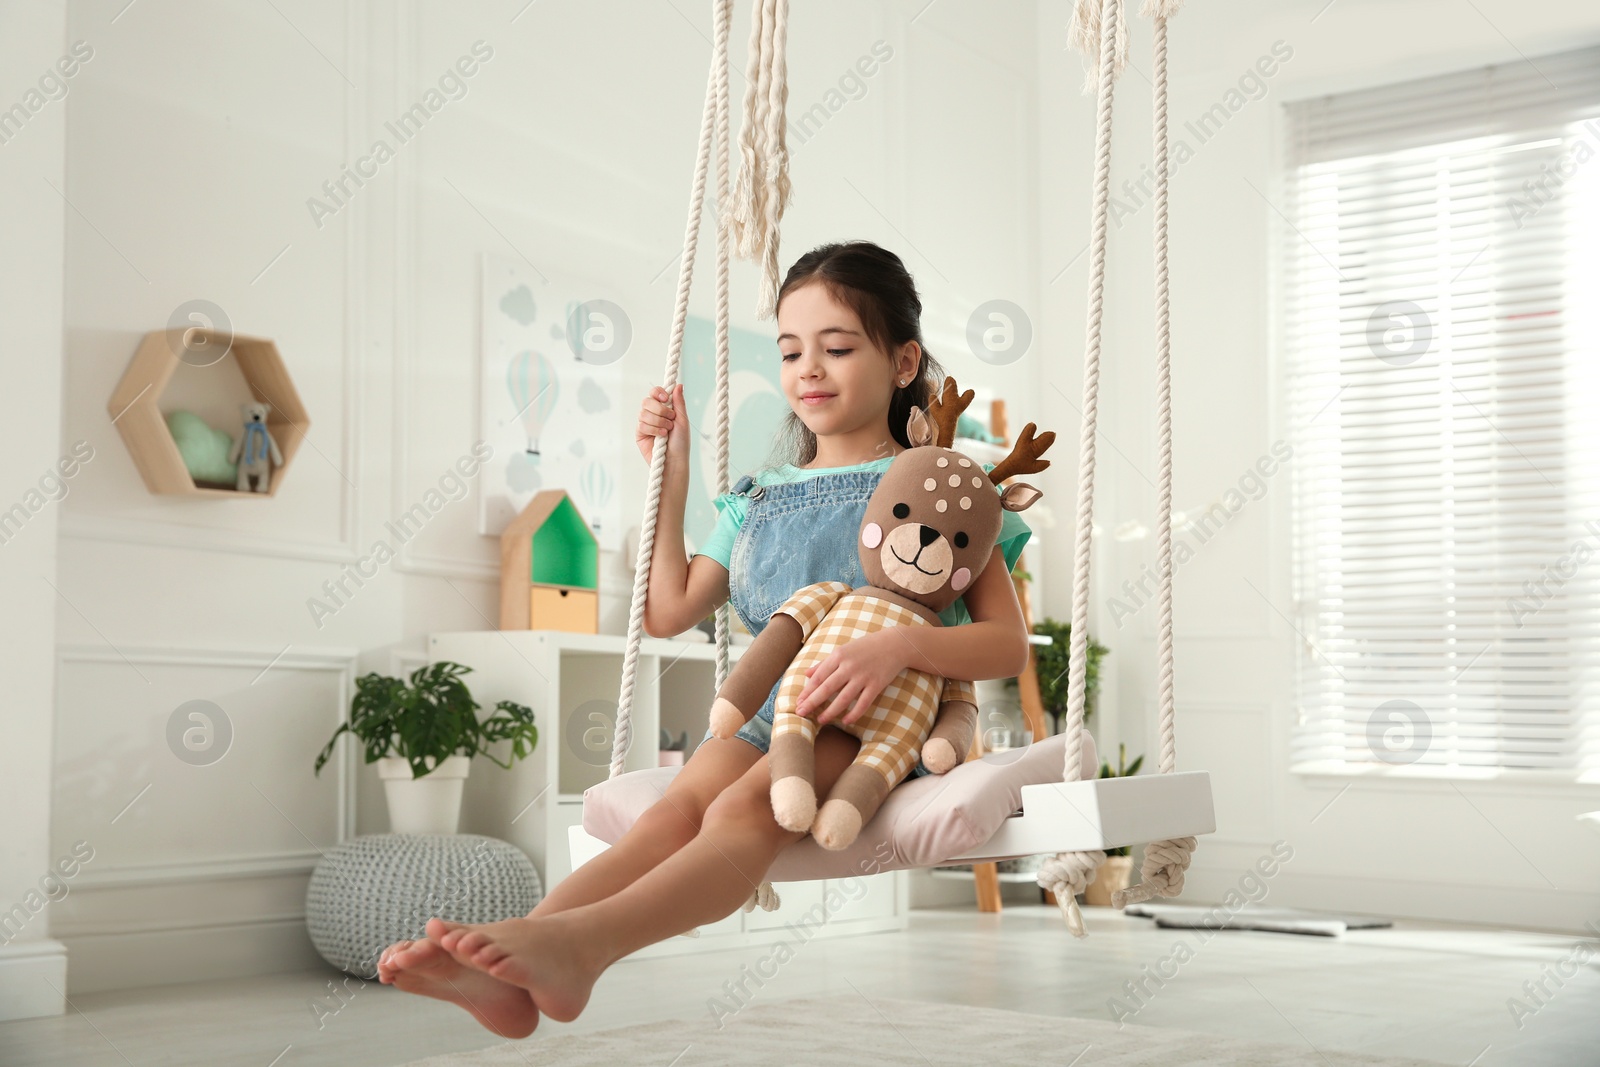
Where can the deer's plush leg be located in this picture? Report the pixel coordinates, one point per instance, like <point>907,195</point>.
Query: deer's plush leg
<point>859,793</point>
<point>793,758</point>
<point>792,754</point>
<point>752,678</point>
<point>950,741</point>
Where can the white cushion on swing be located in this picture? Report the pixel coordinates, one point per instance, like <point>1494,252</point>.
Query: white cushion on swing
<point>924,822</point>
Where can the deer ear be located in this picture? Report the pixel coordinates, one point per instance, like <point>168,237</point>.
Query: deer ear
<point>920,429</point>
<point>1019,496</point>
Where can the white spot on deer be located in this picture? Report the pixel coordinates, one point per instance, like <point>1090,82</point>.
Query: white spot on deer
<point>966,502</point>
<point>955,480</point>
<point>939,505</point>
<point>943,462</point>
<point>930,485</point>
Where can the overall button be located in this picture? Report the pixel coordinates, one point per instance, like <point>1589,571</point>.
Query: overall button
<point>755,493</point>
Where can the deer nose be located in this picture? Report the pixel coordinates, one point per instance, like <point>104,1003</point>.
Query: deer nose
<point>929,535</point>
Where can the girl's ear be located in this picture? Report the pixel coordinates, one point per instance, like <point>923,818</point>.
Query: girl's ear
<point>920,429</point>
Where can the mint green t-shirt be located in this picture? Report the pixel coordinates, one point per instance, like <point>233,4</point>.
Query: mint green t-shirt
<point>732,507</point>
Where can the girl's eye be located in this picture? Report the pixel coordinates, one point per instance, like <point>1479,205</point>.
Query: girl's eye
<point>787,356</point>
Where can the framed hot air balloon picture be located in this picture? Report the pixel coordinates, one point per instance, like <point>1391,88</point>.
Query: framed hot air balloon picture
<point>551,372</point>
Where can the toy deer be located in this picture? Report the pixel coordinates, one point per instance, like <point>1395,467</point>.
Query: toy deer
<point>928,531</point>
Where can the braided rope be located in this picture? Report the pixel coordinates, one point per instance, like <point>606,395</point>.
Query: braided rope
<point>714,117</point>
<point>723,13</point>
<point>1068,873</point>
<point>623,734</point>
<point>1165,862</point>
<point>1083,34</point>
<point>762,190</point>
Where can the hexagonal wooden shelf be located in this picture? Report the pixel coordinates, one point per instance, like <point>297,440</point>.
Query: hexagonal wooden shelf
<point>134,407</point>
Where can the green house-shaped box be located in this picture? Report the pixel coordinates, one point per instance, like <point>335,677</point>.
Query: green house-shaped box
<point>550,568</point>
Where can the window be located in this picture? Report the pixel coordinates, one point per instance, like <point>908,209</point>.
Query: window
<point>1442,295</point>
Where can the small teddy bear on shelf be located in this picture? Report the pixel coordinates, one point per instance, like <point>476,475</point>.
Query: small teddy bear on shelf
<point>255,451</point>
<point>929,529</point>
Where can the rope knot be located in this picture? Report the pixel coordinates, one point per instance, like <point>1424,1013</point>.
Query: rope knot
<point>1066,874</point>
<point>1161,873</point>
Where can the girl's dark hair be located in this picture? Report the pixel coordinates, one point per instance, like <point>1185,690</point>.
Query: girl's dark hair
<point>876,285</point>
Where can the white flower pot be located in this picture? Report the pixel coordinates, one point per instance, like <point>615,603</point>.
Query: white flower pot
<point>427,805</point>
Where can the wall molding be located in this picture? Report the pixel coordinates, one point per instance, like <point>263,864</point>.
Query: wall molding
<point>187,655</point>
<point>183,535</point>
<point>194,952</point>
<point>202,539</point>
<point>339,661</point>
<point>263,865</point>
<point>84,931</point>
<point>448,567</point>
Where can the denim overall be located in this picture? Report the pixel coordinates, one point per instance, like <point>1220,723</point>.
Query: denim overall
<point>794,535</point>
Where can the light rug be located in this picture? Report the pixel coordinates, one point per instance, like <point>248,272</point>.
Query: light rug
<point>854,1031</point>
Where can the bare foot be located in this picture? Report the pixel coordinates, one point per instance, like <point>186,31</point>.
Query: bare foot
<point>425,967</point>
<point>541,955</point>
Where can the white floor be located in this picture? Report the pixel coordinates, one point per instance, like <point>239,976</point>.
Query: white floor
<point>1419,990</point>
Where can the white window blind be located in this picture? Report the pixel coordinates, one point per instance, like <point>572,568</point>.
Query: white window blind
<point>1441,299</point>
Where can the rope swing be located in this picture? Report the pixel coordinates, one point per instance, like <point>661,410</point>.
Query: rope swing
<point>1099,29</point>
<point>749,221</point>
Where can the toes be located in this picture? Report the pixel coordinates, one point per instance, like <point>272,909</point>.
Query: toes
<point>465,943</point>
<point>437,928</point>
<point>478,950</point>
<point>387,962</point>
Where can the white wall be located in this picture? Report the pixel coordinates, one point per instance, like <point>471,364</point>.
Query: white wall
<point>192,145</point>
<point>1491,852</point>
<point>32,39</point>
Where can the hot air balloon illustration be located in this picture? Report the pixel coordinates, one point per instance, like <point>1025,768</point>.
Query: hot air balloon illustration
<point>595,485</point>
<point>533,387</point>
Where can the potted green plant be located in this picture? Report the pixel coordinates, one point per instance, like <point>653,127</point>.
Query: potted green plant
<point>1050,665</point>
<point>423,736</point>
<point>1119,864</point>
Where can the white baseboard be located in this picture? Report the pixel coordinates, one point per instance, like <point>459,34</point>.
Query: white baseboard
<point>195,953</point>
<point>33,979</point>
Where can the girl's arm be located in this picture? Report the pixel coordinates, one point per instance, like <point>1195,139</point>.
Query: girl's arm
<point>679,594</point>
<point>993,645</point>
<point>681,591</point>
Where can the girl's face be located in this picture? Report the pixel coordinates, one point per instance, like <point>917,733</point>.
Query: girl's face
<point>834,377</point>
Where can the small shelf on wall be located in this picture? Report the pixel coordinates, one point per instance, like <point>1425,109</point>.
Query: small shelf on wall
<point>135,404</point>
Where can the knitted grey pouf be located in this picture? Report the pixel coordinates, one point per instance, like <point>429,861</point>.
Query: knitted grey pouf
<point>370,892</point>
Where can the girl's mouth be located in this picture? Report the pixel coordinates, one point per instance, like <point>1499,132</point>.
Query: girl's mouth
<point>822,399</point>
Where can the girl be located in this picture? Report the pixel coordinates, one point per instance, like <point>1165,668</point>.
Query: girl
<point>852,367</point>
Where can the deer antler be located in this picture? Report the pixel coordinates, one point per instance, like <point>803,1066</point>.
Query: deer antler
<point>1024,457</point>
<point>945,410</point>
